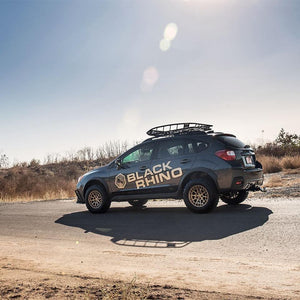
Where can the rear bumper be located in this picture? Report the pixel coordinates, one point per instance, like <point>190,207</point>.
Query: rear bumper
<point>236,179</point>
<point>246,179</point>
<point>80,198</point>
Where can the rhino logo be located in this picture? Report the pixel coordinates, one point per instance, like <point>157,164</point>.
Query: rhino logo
<point>120,181</point>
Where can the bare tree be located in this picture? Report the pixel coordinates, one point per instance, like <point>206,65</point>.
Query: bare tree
<point>4,161</point>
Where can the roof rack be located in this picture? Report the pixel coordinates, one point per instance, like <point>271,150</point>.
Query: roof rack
<point>178,128</point>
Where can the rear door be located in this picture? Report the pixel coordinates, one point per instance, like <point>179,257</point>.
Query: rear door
<point>171,161</point>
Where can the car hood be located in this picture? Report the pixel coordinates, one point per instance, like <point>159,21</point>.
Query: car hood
<point>98,172</point>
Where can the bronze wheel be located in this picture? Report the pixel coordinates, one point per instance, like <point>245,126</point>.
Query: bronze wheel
<point>198,195</point>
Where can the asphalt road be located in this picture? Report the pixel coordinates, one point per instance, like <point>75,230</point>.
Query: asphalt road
<point>251,249</point>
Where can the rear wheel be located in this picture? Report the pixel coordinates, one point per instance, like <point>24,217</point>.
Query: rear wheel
<point>96,199</point>
<point>137,203</point>
<point>200,196</point>
<point>234,198</point>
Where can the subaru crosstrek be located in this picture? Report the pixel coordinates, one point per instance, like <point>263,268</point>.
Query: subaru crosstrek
<point>182,160</point>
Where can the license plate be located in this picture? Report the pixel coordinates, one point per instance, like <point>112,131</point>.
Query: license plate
<point>249,160</point>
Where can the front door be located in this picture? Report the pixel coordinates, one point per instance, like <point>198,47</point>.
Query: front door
<point>128,177</point>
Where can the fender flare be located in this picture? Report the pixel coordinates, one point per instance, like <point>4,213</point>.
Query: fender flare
<point>199,172</point>
<point>95,181</point>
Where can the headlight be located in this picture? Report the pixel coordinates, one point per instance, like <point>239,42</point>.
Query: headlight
<point>80,178</point>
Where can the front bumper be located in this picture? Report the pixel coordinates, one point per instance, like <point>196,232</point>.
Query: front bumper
<point>80,198</point>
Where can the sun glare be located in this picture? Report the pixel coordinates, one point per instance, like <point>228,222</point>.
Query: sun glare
<point>164,45</point>
<point>169,35</point>
<point>170,32</point>
<point>150,77</point>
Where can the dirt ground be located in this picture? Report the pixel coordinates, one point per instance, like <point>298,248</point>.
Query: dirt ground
<point>281,184</point>
<point>18,282</point>
<point>56,249</point>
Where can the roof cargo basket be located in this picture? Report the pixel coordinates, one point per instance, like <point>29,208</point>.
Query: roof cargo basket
<point>179,128</point>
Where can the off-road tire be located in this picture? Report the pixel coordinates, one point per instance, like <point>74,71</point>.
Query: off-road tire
<point>200,195</point>
<point>137,203</point>
<point>235,198</point>
<point>96,199</point>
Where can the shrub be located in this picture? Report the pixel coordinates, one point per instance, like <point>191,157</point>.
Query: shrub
<point>34,163</point>
<point>285,144</point>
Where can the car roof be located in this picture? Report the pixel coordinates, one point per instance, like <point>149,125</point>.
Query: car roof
<point>188,135</point>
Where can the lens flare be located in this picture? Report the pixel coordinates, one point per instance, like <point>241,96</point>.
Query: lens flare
<point>164,45</point>
<point>170,31</point>
<point>150,77</point>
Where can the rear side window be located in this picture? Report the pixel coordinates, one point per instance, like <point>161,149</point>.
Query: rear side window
<point>231,141</point>
<point>196,146</point>
<point>171,148</point>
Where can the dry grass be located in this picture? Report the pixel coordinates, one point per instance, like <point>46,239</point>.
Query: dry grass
<point>270,164</point>
<point>55,181</point>
<point>273,164</point>
<point>58,180</point>
<point>291,162</point>
<point>60,194</point>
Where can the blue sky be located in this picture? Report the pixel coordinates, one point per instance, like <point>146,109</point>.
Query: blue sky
<point>71,72</point>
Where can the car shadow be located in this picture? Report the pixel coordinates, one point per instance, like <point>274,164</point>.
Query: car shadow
<point>167,227</point>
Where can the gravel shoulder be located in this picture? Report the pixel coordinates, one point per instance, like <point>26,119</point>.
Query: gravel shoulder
<point>284,184</point>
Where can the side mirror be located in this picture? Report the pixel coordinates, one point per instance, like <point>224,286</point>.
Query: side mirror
<point>119,163</point>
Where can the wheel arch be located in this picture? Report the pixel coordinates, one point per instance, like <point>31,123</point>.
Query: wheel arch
<point>94,182</point>
<point>198,174</point>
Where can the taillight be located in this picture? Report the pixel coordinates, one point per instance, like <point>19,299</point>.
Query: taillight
<point>226,154</point>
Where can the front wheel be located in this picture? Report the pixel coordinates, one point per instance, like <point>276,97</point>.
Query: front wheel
<point>234,198</point>
<point>96,199</point>
<point>200,196</point>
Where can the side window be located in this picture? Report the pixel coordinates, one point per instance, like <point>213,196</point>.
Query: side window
<point>196,146</point>
<point>140,154</point>
<point>190,147</point>
<point>170,149</point>
<point>200,146</point>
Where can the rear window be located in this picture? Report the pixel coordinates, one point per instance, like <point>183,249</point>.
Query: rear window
<point>231,141</point>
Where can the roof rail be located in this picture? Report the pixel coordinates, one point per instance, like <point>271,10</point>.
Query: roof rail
<point>178,128</point>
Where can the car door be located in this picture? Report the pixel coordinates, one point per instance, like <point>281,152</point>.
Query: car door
<point>127,176</point>
<point>172,160</point>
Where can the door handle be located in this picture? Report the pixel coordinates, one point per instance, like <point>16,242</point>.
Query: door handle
<point>185,160</point>
<point>143,168</point>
